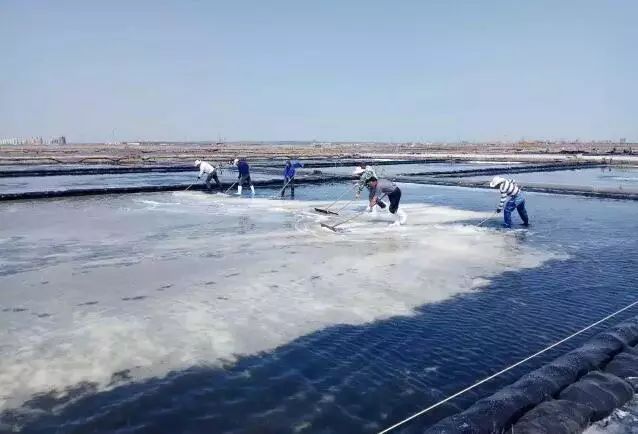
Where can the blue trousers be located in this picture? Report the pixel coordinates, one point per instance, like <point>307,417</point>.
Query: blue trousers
<point>517,202</point>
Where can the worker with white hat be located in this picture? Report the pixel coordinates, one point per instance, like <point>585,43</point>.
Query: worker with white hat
<point>211,170</point>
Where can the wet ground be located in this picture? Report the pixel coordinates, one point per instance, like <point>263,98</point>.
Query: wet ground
<point>188,312</point>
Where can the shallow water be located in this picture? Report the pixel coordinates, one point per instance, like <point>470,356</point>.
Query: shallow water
<point>79,182</point>
<point>625,178</point>
<point>406,169</point>
<point>12,167</point>
<point>69,182</point>
<point>199,313</point>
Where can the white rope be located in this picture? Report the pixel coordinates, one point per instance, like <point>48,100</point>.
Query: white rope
<point>505,370</point>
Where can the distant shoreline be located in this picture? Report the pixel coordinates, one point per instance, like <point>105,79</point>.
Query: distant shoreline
<point>154,153</point>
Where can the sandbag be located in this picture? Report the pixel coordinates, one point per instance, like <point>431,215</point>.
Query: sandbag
<point>555,417</point>
<point>600,391</point>
<point>492,414</point>
<point>457,424</point>
<point>626,331</point>
<point>624,365</point>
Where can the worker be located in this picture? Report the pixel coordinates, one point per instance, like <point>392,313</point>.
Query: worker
<point>244,176</point>
<point>211,170</point>
<point>289,176</point>
<point>511,198</point>
<point>382,187</point>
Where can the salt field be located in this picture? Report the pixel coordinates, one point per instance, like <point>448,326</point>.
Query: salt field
<point>318,217</point>
<point>193,312</point>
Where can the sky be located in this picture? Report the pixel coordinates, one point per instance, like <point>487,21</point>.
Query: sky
<point>329,70</point>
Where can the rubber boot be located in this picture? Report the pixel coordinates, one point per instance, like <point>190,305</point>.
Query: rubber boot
<point>397,220</point>
<point>403,217</point>
<point>252,191</point>
<point>239,190</point>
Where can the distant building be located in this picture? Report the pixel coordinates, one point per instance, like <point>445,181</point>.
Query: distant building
<point>10,141</point>
<point>58,140</point>
<point>39,141</point>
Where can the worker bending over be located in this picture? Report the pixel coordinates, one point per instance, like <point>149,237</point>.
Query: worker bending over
<point>381,187</point>
<point>211,170</point>
<point>511,198</point>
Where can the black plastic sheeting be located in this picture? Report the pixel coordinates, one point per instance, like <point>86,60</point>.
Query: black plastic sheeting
<point>573,378</point>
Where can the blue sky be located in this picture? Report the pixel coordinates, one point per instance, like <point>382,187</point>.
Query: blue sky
<point>319,70</point>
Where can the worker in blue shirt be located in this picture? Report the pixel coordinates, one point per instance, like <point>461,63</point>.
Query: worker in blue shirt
<point>244,176</point>
<point>289,176</point>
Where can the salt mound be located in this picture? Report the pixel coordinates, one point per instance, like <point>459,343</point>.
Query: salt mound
<point>177,280</point>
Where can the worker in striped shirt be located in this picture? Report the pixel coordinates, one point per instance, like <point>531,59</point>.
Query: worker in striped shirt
<point>511,198</point>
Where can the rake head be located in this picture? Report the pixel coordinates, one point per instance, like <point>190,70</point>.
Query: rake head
<point>332,228</point>
<point>326,211</point>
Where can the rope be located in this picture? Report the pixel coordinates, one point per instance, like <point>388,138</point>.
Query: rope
<point>345,206</point>
<point>284,188</point>
<point>492,215</point>
<point>356,215</point>
<point>231,186</point>
<point>449,398</point>
<point>340,196</point>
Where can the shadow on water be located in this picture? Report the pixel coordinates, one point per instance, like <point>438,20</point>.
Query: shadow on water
<point>351,379</point>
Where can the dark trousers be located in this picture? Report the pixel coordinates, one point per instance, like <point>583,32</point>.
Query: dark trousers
<point>291,184</point>
<point>243,179</point>
<point>394,197</point>
<point>208,183</point>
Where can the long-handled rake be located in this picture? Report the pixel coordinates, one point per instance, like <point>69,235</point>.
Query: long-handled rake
<point>230,188</point>
<point>281,191</point>
<point>327,210</point>
<point>490,217</point>
<point>334,227</point>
